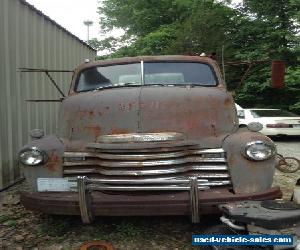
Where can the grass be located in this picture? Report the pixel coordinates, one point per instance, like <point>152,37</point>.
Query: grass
<point>11,223</point>
<point>54,227</point>
<point>127,230</point>
<point>4,218</point>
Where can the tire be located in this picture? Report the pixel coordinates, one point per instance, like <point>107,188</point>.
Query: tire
<point>288,165</point>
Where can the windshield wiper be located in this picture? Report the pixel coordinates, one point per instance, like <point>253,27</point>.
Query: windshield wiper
<point>119,85</point>
<point>194,84</point>
<point>176,84</point>
<point>159,84</point>
<point>133,84</point>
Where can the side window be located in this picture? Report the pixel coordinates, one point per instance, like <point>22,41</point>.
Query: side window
<point>254,114</point>
<point>241,114</point>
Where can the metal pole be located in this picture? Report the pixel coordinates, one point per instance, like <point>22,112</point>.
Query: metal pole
<point>88,23</point>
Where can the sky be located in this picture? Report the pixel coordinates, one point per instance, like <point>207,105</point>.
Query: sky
<point>71,13</point>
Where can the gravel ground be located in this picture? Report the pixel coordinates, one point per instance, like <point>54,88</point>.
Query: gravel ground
<point>288,146</point>
<point>21,229</point>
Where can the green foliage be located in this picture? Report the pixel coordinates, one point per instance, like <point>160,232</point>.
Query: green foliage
<point>143,16</point>
<point>292,77</point>
<point>204,30</point>
<point>254,30</point>
<point>153,43</point>
<point>268,31</point>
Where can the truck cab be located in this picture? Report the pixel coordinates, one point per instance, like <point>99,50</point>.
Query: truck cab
<point>150,135</point>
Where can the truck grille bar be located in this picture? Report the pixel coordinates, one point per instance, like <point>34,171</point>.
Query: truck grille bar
<point>148,166</point>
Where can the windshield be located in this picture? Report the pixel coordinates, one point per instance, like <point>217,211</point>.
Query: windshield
<point>97,77</point>
<point>155,73</point>
<point>179,73</point>
<point>272,113</point>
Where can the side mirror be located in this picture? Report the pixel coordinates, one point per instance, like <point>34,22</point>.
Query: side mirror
<point>278,72</point>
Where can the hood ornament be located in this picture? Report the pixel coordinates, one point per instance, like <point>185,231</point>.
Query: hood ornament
<point>141,137</point>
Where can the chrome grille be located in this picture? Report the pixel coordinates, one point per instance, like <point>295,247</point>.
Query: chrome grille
<point>140,164</point>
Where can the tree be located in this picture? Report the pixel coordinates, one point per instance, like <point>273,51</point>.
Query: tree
<point>255,30</point>
<point>268,31</point>
<point>142,17</point>
<point>205,29</point>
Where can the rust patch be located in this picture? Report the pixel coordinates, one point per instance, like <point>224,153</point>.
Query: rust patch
<point>119,131</point>
<point>130,105</point>
<point>53,162</point>
<point>126,106</point>
<point>227,101</point>
<point>95,130</point>
<point>80,113</point>
<point>214,130</point>
<point>231,161</point>
<point>83,113</point>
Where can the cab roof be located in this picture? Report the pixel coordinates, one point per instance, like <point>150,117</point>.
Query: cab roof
<point>169,58</point>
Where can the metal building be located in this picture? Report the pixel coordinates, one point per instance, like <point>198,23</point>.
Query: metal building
<point>30,39</point>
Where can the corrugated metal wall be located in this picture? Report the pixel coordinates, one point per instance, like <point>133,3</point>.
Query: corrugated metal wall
<point>30,39</point>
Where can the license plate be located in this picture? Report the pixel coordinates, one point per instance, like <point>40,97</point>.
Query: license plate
<point>296,126</point>
<point>54,185</point>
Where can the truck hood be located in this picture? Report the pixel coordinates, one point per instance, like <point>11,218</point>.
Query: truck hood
<point>204,114</point>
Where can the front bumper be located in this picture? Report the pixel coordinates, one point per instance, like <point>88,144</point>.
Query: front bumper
<point>101,203</point>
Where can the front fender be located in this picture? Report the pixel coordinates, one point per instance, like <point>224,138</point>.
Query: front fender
<point>248,176</point>
<point>54,149</point>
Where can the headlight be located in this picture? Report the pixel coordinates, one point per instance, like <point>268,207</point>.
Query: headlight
<point>32,156</point>
<point>259,150</point>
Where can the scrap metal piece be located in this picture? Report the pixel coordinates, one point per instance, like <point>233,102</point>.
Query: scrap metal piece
<point>194,203</point>
<point>46,71</point>
<point>83,199</point>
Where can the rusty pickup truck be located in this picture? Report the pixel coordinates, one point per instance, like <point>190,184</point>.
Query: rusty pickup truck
<point>145,136</point>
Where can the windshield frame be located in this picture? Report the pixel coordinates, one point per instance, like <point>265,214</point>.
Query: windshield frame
<point>141,63</point>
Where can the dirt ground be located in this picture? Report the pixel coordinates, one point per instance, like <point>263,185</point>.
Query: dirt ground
<point>21,229</point>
